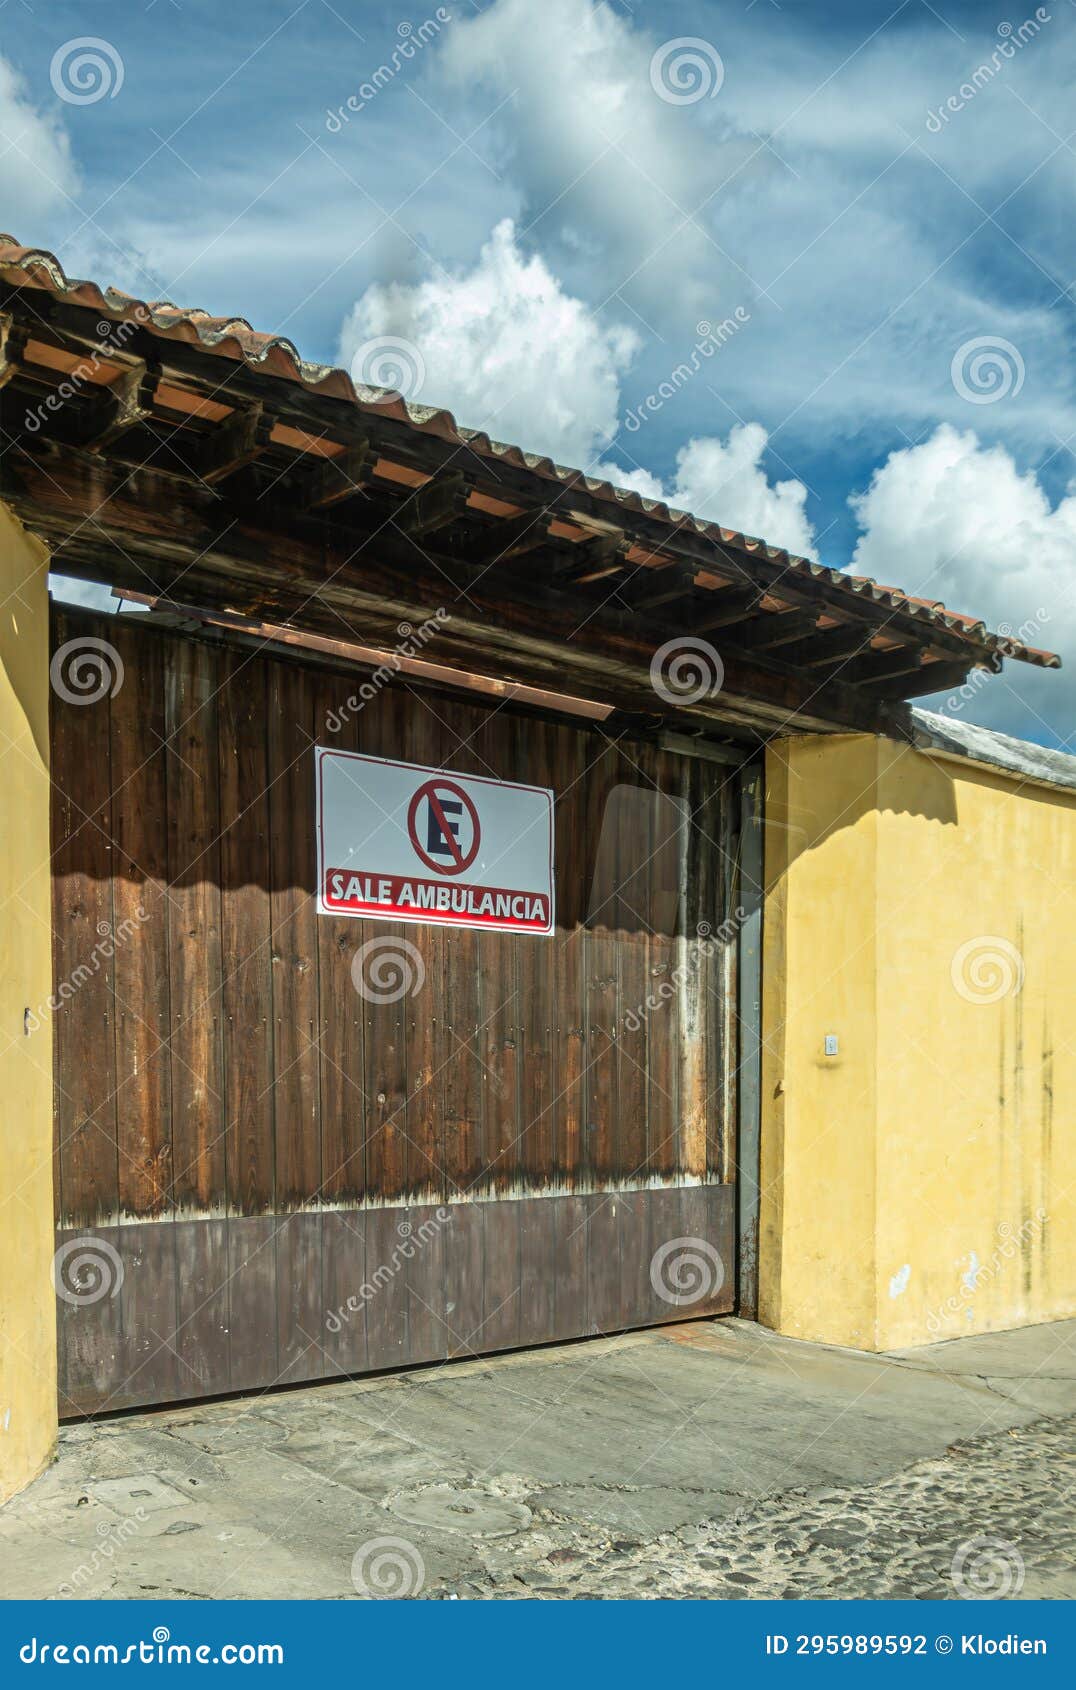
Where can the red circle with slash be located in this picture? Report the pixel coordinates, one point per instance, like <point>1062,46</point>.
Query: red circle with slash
<point>433,791</point>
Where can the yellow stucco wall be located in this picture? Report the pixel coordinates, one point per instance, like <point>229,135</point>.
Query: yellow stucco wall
<point>27,1304</point>
<point>920,1184</point>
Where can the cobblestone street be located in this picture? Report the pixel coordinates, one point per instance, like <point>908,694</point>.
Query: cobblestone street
<point>993,1517</point>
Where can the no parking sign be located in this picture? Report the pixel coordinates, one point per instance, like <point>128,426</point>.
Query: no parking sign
<point>408,843</point>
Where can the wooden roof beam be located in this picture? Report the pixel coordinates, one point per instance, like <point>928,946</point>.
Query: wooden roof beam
<point>601,554</point>
<point>649,589</point>
<point>830,646</point>
<point>336,479</point>
<point>438,504</point>
<point>13,339</point>
<point>730,605</point>
<point>773,628</point>
<point>511,537</point>
<point>231,446</point>
<point>123,404</point>
<point>930,677</point>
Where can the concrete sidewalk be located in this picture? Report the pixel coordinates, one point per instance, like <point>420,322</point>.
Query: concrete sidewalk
<point>713,1458</point>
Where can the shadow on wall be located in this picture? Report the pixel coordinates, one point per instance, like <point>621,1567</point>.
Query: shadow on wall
<point>805,814</point>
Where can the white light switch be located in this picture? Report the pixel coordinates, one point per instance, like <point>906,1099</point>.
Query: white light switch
<point>831,1044</point>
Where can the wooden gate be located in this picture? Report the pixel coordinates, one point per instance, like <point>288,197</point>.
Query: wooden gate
<point>263,1176</point>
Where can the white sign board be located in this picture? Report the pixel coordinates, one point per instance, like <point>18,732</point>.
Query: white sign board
<point>407,843</point>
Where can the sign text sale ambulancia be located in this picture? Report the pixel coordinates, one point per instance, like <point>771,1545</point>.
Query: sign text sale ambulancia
<point>408,843</point>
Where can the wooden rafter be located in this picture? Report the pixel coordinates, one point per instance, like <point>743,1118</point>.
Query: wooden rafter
<point>438,504</point>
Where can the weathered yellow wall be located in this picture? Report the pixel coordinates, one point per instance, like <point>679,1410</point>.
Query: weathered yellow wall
<point>922,1183</point>
<point>27,1303</point>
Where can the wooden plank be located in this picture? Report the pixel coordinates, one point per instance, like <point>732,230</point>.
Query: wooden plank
<point>690,1030</point>
<point>89,1333</point>
<point>497,751</point>
<point>500,1329</point>
<point>707,1220</point>
<point>192,824</point>
<point>537,1270</point>
<point>535,972</point>
<point>605,1309</point>
<point>296,1091</point>
<point>84,1056</point>
<point>252,1301</point>
<point>387,1333</point>
<point>603,821</point>
<point>666,921</point>
<point>567,956</point>
<point>461,1053</point>
<point>246,933</point>
<point>464,1279</point>
<point>428,1336</point>
<point>384,974</point>
<point>424,1004</point>
<point>203,1307</point>
<point>148,1366</point>
<point>634,1210</point>
<point>301,1350</point>
<point>140,900</point>
<point>571,1310</point>
<point>343,1267</point>
<point>634,870</point>
<point>341,1008</point>
<point>665,1264</point>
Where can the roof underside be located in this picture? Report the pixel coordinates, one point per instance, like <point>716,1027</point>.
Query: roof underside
<point>223,429</point>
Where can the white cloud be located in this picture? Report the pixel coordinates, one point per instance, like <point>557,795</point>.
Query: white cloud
<point>953,519</point>
<point>725,481</point>
<point>610,174</point>
<point>636,480</point>
<point>36,168</point>
<point>506,349</point>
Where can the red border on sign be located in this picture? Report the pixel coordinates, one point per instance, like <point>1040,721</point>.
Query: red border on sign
<point>323,751</point>
<point>429,789</point>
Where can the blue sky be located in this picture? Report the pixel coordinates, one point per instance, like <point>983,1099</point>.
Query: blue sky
<point>809,273</point>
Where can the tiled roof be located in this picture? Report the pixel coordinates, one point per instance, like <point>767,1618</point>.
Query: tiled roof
<point>275,355</point>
